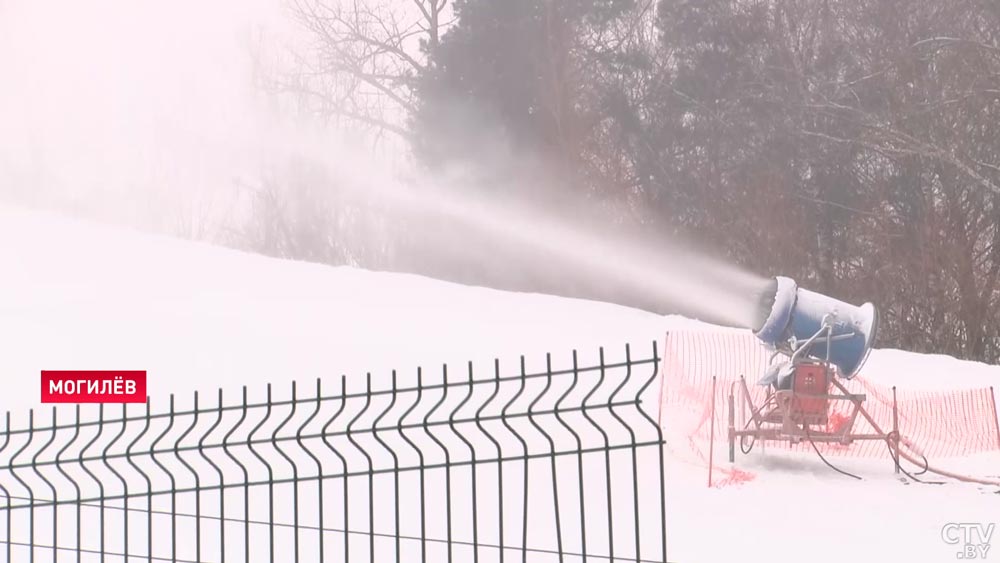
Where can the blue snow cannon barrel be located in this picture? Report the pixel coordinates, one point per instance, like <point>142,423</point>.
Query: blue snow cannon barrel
<point>788,316</point>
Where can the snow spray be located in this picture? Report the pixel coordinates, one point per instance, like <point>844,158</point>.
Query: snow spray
<point>659,274</point>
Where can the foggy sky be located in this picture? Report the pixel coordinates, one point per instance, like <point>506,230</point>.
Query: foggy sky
<point>140,111</point>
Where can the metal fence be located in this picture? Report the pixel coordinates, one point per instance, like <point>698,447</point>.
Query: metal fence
<point>511,465</point>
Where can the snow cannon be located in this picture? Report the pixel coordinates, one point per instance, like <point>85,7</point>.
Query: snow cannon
<point>821,338</point>
<point>806,325</point>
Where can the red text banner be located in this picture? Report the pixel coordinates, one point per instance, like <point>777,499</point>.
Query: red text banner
<point>93,386</point>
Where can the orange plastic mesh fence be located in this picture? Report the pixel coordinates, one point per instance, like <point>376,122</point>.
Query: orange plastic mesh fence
<point>933,423</point>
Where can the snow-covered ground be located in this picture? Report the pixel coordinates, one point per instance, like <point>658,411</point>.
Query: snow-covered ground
<point>75,295</point>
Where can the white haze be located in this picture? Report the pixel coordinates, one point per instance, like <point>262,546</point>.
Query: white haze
<point>147,113</point>
<point>136,111</point>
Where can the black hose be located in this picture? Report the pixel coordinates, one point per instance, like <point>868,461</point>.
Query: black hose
<point>894,454</point>
<point>753,441</point>
<point>816,449</point>
<point>805,426</point>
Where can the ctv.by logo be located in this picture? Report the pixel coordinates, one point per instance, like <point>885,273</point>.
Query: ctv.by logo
<point>973,540</point>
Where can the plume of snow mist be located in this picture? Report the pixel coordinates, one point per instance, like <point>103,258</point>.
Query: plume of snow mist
<point>654,274</point>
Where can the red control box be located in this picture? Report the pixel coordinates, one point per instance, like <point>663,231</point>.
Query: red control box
<point>810,379</point>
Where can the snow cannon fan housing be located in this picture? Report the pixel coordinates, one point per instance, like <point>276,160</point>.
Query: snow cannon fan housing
<point>789,316</point>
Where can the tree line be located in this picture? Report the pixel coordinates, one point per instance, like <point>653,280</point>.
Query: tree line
<point>852,145</point>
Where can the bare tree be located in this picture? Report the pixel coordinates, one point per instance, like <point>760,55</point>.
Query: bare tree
<point>364,57</point>
<point>302,210</point>
<point>357,67</point>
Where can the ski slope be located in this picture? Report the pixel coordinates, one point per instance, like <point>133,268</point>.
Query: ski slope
<point>76,295</point>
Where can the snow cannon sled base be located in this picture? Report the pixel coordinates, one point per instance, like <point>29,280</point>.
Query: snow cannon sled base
<point>801,413</point>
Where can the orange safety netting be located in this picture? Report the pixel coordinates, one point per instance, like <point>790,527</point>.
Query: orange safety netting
<point>935,424</point>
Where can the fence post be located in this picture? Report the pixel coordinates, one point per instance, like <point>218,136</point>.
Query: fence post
<point>895,428</point>
<point>8,539</point>
<point>732,425</point>
<point>659,401</point>
<point>993,401</point>
<point>711,436</point>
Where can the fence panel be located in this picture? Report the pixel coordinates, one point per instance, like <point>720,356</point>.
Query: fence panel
<point>504,465</point>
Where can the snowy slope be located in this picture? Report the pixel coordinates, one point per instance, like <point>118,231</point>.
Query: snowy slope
<point>75,295</point>
<point>84,296</point>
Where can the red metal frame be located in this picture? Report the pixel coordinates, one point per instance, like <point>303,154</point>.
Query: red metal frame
<point>780,418</point>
